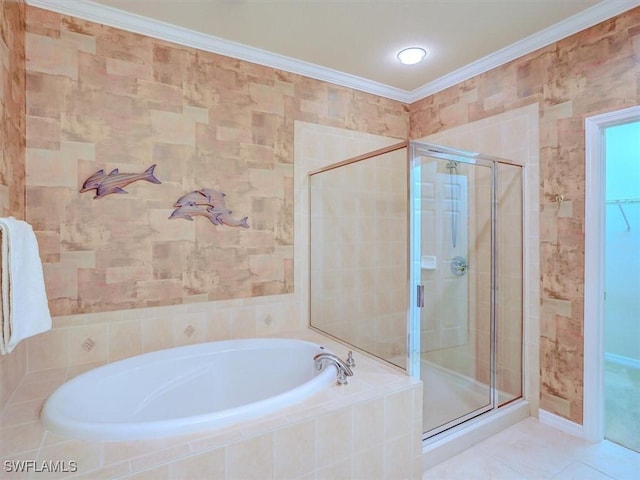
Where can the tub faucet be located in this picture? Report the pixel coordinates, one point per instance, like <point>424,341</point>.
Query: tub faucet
<point>343,369</point>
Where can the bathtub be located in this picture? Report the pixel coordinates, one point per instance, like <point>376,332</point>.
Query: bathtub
<point>186,389</point>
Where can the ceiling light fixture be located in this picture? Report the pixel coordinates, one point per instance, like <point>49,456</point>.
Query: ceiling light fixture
<point>411,55</point>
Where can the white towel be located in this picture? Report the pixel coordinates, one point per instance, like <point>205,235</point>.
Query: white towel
<point>25,310</point>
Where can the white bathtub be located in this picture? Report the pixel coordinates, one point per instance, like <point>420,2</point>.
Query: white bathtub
<point>186,389</point>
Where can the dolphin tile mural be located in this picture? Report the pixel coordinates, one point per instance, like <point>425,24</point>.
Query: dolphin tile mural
<point>115,181</point>
<point>208,203</point>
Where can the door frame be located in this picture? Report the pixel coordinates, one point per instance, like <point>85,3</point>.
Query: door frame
<point>594,266</point>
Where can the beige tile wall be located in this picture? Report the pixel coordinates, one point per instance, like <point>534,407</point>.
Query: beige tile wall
<point>455,321</point>
<point>512,311</point>
<point>12,146</point>
<point>99,97</point>
<point>359,252</point>
<point>594,71</point>
<point>80,341</point>
<point>84,341</point>
<point>470,355</point>
<point>512,135</point>
<point>316,147</point>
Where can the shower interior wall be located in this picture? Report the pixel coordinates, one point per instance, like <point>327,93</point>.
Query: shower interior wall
<point>510,326</point>
<point>101,97</point>
<point>470,356</point>
<point>359,254</point>
<point>359,265</point>
<point>512,135</point>
<point>456,218</point>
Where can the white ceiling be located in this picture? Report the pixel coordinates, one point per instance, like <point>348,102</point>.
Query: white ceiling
<point>356,41</point>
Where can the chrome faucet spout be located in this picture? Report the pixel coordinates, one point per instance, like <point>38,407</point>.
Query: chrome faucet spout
<point>343,370</point>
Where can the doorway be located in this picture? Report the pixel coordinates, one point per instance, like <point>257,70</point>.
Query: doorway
<point>622,280</point>
<point>612,266</point>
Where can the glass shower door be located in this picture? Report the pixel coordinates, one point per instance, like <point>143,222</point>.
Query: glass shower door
<point>451,266</point>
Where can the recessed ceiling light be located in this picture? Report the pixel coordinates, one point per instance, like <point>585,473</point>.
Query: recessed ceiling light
<point>411,55</point>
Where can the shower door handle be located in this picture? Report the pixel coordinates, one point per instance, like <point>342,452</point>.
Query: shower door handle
<point>420,296</point>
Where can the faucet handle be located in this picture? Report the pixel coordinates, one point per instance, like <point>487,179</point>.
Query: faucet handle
<point>350,361</point>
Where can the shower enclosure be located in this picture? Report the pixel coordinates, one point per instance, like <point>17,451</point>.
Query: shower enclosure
<point>416,258</point>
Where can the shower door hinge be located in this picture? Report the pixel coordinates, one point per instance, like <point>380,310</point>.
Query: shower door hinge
<point>420,296</point>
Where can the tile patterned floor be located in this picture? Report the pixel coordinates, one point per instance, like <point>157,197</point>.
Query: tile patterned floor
<point>622,404</point>
<point>531,450</point>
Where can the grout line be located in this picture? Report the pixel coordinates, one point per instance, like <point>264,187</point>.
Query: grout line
<point>595,468</point>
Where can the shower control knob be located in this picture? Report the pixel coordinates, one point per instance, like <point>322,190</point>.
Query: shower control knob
<point>459,266</point>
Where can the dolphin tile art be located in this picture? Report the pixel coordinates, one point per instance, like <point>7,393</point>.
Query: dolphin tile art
<point>208,203</point>
<point>105,184</point>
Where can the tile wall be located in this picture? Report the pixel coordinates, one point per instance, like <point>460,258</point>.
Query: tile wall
<point>83,341</point>
<point>95,338</point>
<point>316,147</point>
<point>103,98</point>
<point>12,101</point>
<point>511,135</point>
<point>454,325</point>
<point>359,254</point>
<point>12,146</point>
<point>594,71</point>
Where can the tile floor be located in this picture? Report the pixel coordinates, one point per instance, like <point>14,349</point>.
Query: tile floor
<point>622,404</point>
<point>531,450</point>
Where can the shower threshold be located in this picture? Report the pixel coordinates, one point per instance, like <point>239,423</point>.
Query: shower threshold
<point>451,397</point>
<point>445,445</point>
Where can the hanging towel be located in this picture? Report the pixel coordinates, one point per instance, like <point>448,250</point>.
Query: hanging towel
<point>25,310</point>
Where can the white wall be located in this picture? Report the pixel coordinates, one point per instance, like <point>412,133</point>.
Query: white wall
<point>622,242</point>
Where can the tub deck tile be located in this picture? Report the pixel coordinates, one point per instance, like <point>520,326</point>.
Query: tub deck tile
<point>224,451</point>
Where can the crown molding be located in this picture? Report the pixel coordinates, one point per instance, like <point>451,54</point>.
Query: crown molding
<point>131,22</point>
<point>588,18</point>
<point>113,17</point>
